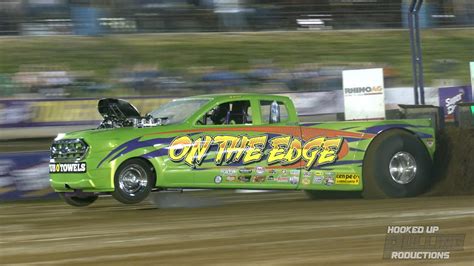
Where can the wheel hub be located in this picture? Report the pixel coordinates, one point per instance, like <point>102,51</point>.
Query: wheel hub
<point>402,167</point>
<point>132,180</point>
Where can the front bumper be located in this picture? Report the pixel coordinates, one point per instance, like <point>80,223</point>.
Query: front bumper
<point>94,180</point>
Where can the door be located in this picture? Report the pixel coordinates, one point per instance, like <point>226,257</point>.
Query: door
<point>238,146</point>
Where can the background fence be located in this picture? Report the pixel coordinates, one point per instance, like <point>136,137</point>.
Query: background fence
<point>91,17</point>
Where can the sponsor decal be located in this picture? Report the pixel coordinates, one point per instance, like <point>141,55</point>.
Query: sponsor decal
<point>330,174</point>
<point>294,180</point>
<point>218,179</point>
<point>271,178</point>
<point>347,179</point>
<point>430,142</point>
<point>282,179</point>
<point>67,167</point>
<point>329,180</point>
<point>294,172</point>
<point>306,181</point>
<point>284,172</point>
<point>283,150</point>
<point>307,174</point>
<point>273,171</point>
<point>231,178</point>
<point>244,178</point>
<point>228,171</point>
<point>260,170</point>
<point>320,173</point>
<point>258,179</point>
<point>245,171</point>
<point>318,179</point>
<point>367,90</point>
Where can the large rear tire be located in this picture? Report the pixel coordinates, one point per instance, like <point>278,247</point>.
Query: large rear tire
<point>397,164</point>
<point>133,181</point>
<point>77,201</point>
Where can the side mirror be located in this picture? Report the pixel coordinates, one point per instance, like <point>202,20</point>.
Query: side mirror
<point>274,113</point>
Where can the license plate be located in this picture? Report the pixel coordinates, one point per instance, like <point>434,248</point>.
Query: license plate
<point>67,167</point>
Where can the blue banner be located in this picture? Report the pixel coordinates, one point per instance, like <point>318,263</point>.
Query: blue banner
<point>25,175</point>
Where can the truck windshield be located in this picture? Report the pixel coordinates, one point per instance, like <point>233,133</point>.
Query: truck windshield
<point>177,111</point>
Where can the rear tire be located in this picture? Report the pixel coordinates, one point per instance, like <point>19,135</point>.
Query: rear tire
<point>78,201</point>
<point>133,181</point>
<point>397,164</point>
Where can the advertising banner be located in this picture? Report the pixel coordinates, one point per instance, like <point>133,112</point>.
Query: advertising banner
<point>25,175</point>
<point>62,112</point>
<point>450,96</point>
<point>316,103</point>
<point>363,94</point>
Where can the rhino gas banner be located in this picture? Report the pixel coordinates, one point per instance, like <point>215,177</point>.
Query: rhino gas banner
<point>363,94</point>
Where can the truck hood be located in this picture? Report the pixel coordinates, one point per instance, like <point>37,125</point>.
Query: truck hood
<point>110,108</point>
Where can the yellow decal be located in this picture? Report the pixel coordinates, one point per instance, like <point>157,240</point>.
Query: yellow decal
<point>330,149</point>
<point>294,152</point>
<point>320,151</point>
<point>198,151</point>
<point>255,149</point>
<point>232,149</point>
<point>179,148</point>
<point>347,179</point>
<point>278,147</point>
<point>284,150</point>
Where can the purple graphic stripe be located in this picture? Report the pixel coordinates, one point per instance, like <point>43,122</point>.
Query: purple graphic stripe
<point>132,145</point>
<point>378,129</point>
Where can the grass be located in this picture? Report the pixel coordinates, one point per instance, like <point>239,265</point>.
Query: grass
<point>182,52</point>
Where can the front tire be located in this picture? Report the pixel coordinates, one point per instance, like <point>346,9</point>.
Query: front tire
<point>133,181</point>
<point>78,201</point>
<point>397,164</point>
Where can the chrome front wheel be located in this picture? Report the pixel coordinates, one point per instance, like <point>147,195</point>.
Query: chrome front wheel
<point>134,180</point>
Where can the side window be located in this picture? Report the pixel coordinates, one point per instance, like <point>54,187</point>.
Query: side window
<point>229,113</point>
<point>265,110</point>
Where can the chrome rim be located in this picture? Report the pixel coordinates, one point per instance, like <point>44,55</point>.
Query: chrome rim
<point>402,167</point>
<point>133,179</point>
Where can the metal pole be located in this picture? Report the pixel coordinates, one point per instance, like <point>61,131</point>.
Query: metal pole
<point>421,85</point>
<point>413,50</point>
<point>416,52</point>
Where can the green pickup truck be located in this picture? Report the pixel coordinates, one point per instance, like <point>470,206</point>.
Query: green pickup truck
<point>251,141</point>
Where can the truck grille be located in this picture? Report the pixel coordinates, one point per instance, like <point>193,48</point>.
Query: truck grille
<point>68,150</point>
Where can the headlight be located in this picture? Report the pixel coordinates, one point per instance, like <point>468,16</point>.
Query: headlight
<point>69,149</point>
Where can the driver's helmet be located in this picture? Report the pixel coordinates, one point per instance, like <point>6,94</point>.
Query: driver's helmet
<point>219,114</point>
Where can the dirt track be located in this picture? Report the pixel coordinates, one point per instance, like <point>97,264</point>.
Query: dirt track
<point>257,228</point>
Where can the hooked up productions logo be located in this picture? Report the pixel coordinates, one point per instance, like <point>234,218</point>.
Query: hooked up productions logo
<point>420,243</point>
